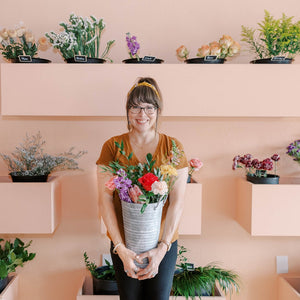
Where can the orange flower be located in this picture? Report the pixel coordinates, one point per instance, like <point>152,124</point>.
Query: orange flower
<point>203,51</point>
<point>43,43</point>
<point>226,41</point>
<point>182,52</point>
<point>215,48</point>
<point>234,49</point>
<point>110,183</point>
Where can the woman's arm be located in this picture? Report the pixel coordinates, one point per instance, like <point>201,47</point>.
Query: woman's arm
<point>176,202</point>
<point>107,211</point>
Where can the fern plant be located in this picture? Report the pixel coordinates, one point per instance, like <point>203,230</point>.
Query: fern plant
<point>274,37</point>
<point>190,282</point>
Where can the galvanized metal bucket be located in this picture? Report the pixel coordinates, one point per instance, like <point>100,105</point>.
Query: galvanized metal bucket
<point>141,229</point>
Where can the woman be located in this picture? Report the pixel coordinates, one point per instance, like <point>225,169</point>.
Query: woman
<point>154,282</point>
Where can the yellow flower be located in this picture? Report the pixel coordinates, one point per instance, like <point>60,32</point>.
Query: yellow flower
<point>168,170</point>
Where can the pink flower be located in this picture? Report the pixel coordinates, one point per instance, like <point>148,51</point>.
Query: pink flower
<point>110,183</point>
<point>159,187</point>
<point>196,164</point>
<point>134,193</point>
<point>203,51</point>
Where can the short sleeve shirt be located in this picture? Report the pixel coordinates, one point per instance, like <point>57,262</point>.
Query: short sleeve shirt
<point>110,153</point>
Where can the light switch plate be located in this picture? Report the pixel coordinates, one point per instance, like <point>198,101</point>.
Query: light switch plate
<point>282,264</point>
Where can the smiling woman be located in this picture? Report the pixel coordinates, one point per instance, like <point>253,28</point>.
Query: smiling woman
<point>133,151</point>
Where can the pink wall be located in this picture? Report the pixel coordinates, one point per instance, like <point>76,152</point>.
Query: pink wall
<point>56,271</point>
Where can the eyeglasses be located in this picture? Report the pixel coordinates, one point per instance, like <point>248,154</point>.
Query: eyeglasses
<point>149,110</point>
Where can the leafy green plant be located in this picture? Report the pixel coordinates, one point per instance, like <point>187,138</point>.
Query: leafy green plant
<point>108,274</point>
<point>190,282</point>
<point>13,255</point>
<point>274,37</point>
<point>81,36</point>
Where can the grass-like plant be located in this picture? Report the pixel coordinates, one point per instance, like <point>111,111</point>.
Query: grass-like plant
<point>108,274</point>
<point>191,282</point>
<point>274,37</point>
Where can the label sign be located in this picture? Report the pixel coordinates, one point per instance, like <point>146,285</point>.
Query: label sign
<point>278,58</point>
<point>190,266</point>
<point>149,58</point>
<point>25,58</point>
<point>210,57</point>
<point>80,58</point>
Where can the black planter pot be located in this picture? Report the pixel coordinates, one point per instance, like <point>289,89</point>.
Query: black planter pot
<point>26,59</point>
<point>104,287</point>
<point>211,59</point>
<point>36,178</point>
<point>274,60</point>
<point>81,59</point>
<point>270,179</point>
<point>3,284</point>
<point>144,60</point>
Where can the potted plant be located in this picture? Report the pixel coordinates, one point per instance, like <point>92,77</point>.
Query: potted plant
<point>256,171</point>
<point>29,163</point>
<point>133,47</point>
<point>79,42</point>
<point>276,41</point>
<point>213,53</point>
<point>104,278</point>
<point>19,46</point>
<point>190,281</point>
<point>12,255</point>
<point>195,164</point>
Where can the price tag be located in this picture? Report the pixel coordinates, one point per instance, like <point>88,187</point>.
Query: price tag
<point>210,57</point>
<point>80,58</point>
<point>25,58</point>
<point>149,58</point>
<point>278,58</point>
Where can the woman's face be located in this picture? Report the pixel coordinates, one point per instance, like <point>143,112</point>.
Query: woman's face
<point>142,117</point>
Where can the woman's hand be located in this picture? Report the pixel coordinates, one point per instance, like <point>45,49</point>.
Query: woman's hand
<point>155,257</point>
<point>128,257</point>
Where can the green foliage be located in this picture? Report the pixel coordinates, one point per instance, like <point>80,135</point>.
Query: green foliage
<point>108,274</point>
<point>13,255</point>
<point>189,281</point>
<point>274,37</point>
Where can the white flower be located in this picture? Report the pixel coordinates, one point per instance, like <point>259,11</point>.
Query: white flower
<point>159,187</point>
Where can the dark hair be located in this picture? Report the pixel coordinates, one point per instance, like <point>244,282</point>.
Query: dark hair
<point>144,94</point>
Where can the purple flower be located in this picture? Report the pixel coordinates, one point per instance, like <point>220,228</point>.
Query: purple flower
<point>122,185</point>
<point>132,44</point>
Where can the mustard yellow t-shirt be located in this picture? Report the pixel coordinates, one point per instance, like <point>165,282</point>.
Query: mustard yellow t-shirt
<point>110,152</point>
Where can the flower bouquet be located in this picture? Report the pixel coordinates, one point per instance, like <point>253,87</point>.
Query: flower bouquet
<point>214,53</point>
<point>256,171</point>
<point>195,164</point>
<point>143,190</point>
<point>19,46</point>
<point>29,162</point>
<point>80,40</point>
<point>133,47</point>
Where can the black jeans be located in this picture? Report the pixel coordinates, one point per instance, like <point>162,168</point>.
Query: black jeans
<point>157,288</point>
